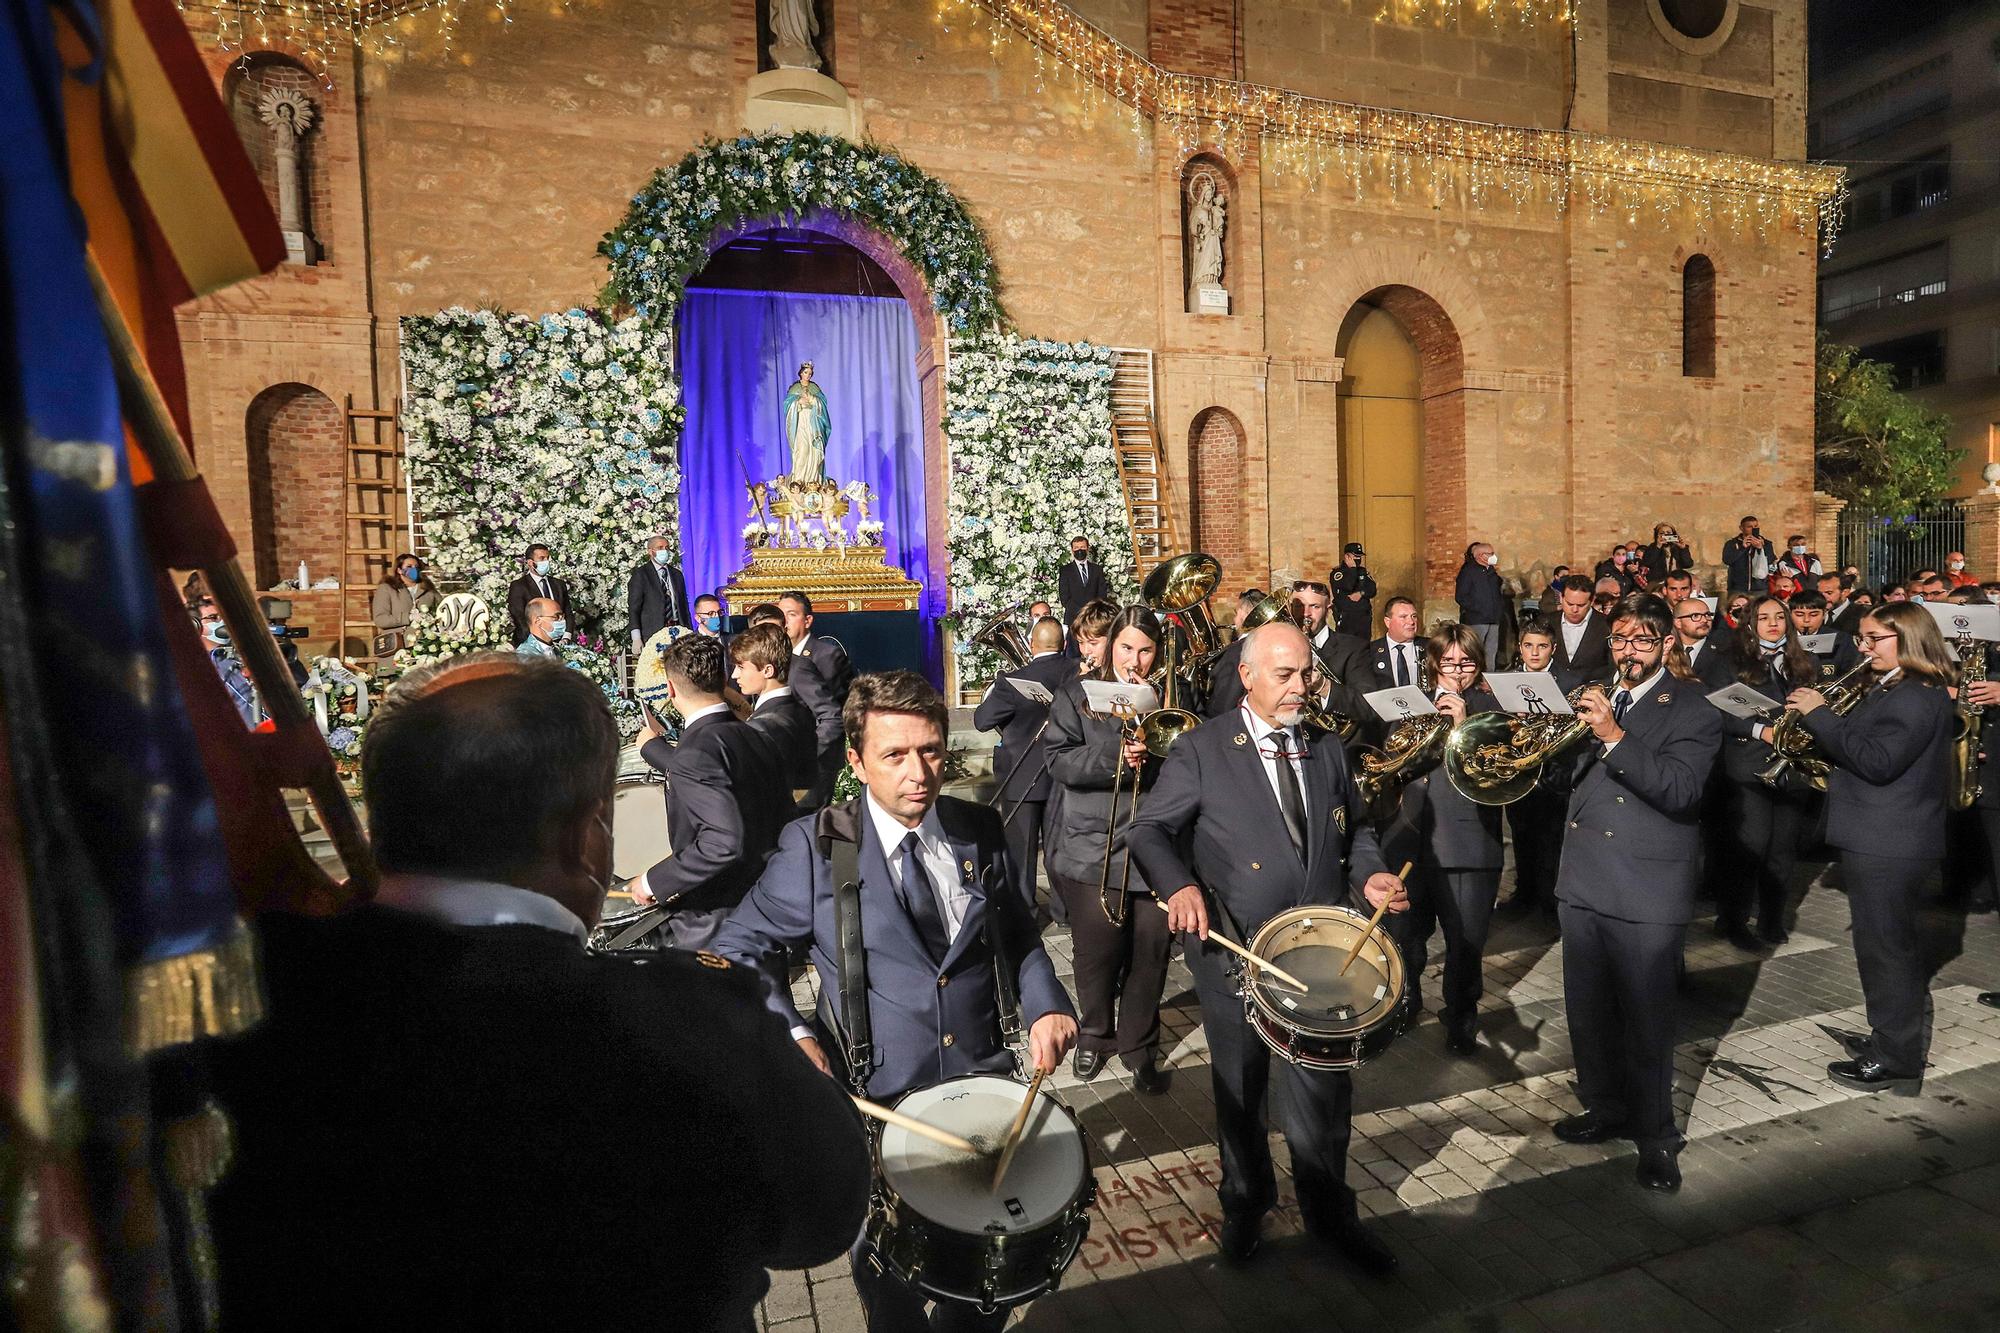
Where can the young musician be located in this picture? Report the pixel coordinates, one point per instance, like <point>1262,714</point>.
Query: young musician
<point>1536,820</point>
<point>1885,803</point>
<point>1089,752</point>
<point>1766,655</point>
<point>1631,858</point>
<point>1254,814</point>
<point>1455,844</point>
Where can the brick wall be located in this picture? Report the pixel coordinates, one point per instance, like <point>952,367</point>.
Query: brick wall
<point>1194,37</point>
<point>297,497</point>
<point>1216,492</point>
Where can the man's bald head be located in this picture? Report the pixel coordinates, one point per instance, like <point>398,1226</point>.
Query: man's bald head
<point>1046,636</point>
<point>1264,640</point>
<point>1274,673</point>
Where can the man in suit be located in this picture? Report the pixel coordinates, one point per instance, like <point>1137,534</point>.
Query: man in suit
<point>1707,652</point>
<point>708,615</point>
<point>1843,613</point>
<point>727,798</point>
<point>1018,761</point>
<point>1080,581</point>
<point>1631,860</point>
<point>1253,815</point>
<point>1397,658</point>
<point>431,1067</point>
<point>762,660</point>
<point>1581,632</point>
<point>1676,587</point>
<point>1749,556</point>
<point>836,673</point>
<point>537,580</point>
<point>937,913</point>
<point>656,595</point>
<point>546,628</point>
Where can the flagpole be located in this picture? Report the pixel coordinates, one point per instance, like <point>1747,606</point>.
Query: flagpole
<point>146,414</point>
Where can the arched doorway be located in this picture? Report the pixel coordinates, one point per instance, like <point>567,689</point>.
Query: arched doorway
<point>294,446</point>
<point>1215,454</point>
<point>1402,438</point>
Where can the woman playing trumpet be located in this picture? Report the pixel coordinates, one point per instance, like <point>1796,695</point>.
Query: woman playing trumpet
<point>1099,767</point>
<point>1885,804</point>
<point>1765,654</point>
<point>1455,844</point>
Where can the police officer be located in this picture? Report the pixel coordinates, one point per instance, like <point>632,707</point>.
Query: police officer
<point>1631,858</point>
<point>1270,821</point>
<point>937,911</point>
<point>1353,593</point>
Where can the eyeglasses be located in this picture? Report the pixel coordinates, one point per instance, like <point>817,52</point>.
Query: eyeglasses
<point>1458,668</point>
<point>1697,615</point>
<point>1870,640</point>
<point>1641,641</point>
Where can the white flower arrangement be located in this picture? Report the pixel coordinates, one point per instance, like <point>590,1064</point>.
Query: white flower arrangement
<point>559,430</point>
<point>870,533</point>
<point>1032,467</point>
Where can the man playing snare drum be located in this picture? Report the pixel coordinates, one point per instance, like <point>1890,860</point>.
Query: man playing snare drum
<point>932,934</point>
<point>1272,822</point>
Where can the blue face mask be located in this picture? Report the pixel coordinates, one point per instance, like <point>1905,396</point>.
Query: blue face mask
<point>663,557</point>
<point>713,624</point>
<point>414,574</point>
<point>558,628</point>
<point>542,567</point>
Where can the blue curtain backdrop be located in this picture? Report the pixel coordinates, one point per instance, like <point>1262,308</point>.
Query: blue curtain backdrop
<point>739,351</point>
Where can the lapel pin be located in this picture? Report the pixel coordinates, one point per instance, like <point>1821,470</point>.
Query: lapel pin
<point>1240,739</point>
<point>968,867</point>
<point>1664,699</point>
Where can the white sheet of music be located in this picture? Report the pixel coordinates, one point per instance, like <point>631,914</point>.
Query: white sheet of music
<point>1032,690</point>
<point>1740,700</point>
<point>1818,643</point>
<point>1400,701</point>
<point>1532,692</point>
<point>1956,622</point>
<point>1114,696</point>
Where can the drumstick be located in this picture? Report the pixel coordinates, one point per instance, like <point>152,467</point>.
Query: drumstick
<point>939,1136</point>
<point>1373,922</point>
<point>1014,1133</point>
<point>1251,958</point>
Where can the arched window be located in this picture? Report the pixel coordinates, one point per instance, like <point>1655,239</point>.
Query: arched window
<point>1698,317</point>
<point>294,442</point>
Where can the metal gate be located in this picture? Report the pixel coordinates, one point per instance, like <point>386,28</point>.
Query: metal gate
<point>1891,547</point>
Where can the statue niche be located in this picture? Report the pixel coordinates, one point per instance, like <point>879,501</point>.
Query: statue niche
<point>1205,203</point>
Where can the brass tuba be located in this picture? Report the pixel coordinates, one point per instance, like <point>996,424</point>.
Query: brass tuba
<point>1004,636</point>
<point>1793,747</point>
<point>1496,758</point>
<point>1178,591</point>
<point>1968,729</point>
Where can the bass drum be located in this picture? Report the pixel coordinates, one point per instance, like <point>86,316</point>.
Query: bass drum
<point>937,1224</point>
<point>638,816</point>
<point>1341,1020</point>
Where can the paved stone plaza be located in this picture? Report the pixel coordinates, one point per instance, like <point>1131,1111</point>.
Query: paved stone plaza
<point>1805,1205</point>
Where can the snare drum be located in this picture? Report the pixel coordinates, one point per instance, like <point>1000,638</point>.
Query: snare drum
<point>1341,1020</point>
<point>936,1223</point>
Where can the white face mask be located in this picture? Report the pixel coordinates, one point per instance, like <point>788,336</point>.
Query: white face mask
<point>1493,559</point>
<point>1954,565</point>
<point>1798,550</point>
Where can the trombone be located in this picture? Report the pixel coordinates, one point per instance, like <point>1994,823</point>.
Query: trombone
<point>1323,716</point>
<point>1157,730</point>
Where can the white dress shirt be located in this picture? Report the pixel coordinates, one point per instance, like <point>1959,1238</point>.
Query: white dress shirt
<point>472,902</point>
<point>689,719</point>
<point>1573,637</point>
<point>1407,650</point>
<point>1633,693</point>
<point>1264,736</point>
<point>940,864</point>
<point>775,692</point>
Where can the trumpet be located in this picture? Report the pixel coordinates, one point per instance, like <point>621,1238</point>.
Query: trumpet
<point>1793,747</point>
<point>1496,758</point>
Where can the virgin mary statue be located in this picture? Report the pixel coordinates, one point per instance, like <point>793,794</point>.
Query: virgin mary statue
<point>807,424</point>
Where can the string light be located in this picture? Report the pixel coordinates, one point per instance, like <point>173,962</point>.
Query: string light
<point>325,32</point>
<point>1425,158</point>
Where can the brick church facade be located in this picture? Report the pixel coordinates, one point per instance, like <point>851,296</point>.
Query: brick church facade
<point>1416,369</point>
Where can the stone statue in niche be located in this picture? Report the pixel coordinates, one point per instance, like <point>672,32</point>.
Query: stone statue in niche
<point>1207,217</point>
<point>794,35</point>
<point>290,114</point>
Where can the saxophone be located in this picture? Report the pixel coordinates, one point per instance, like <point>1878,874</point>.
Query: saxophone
<point>1967,730</point>
<point>1793,747</point>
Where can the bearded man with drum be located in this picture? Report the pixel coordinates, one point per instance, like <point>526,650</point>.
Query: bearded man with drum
<point>1269,819</point>
<point>938,917</point>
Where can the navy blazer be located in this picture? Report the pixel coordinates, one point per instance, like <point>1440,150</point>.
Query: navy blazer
<point>1212,819</point>
<point>1074,588</point>
<point>651,605</point>
<point>522,591</point>
<point>727,798</point>
<point>1435,819</point>
<point>824,691</point>
<point>1018,720</point>
<point>929,1022</point>
<point>1632,847</point>
<point>1891,757</point>
<point>1225,680</point>
<point>1745,756</point>
<point>789,723</point>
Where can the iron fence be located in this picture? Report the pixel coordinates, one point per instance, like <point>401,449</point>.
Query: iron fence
<point>1891,547</point>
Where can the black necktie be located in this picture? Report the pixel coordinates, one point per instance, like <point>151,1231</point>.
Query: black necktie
<point>667,591</point>
<point>1402,667</point>
<point>1289,800</point>
<point>920,900</point>
<point>1619,703</point>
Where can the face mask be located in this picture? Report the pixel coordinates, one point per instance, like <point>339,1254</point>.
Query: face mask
<point>558,628</point>
<point>413,574</point>
<point>1618,559</point>
<point>1081,556</point>
<point>217,633</point>
<point>1954,565</point>
<point>1916,597</point>
<point>1492,560</point>
<point>713,624</point>
<point>1798,550</point>
<point>663,556</point>
<point>542,567</point>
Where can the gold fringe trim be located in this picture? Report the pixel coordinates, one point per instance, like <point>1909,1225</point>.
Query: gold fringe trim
<point>212,993</point>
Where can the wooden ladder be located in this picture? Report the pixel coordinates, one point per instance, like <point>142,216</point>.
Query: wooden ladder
<point>378,521</point>
<point>1142,471</point>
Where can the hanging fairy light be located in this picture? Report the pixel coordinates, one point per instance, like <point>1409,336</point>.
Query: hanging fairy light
<point>325,32</point>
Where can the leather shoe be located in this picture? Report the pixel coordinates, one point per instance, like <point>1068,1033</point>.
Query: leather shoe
<point>1241,1235</point>
<point>1087,1063</point>
<point>1860,1045</point>
<point>1866,1074</point>
<point>1149,1079</point>
<point>1773,935</point>
<point>1659,1170</point>
<point>1741,937</point>
<point>1364,1249</point>
<point>1459,1039</point>
<point>1590,1127</point>
<point>1990,998</point>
